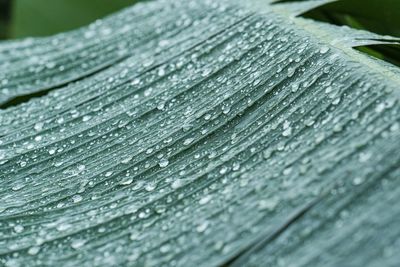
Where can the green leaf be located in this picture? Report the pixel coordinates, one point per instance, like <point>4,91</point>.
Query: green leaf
<point>204,133</point>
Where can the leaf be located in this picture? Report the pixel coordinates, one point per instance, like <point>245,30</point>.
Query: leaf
<point>198,133</point>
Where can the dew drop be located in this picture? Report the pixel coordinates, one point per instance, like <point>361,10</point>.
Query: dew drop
<point>77,198</point>
<point>76,244</point>
<point>163,163</point>
<point>108,174</point>
<point>324,50</point>
<point>202,227</point>
<point>18,228</point>
<point>33,250</point>
<point>204,200</point>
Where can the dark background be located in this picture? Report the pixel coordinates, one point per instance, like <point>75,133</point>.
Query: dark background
<point>22,18</point>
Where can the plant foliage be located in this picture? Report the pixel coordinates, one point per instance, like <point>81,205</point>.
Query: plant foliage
<point>199,133</point>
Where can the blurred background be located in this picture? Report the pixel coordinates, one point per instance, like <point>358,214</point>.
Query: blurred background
<point>22,18</point>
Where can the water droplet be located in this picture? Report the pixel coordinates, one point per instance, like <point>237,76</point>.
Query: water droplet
<point>134,235</point>
<point>77,198</point>
<point>358,181</point>
<point>33,250</point>
<point>202,227</point>
<point>86,118</point>
<point>395,127</point>
<point>226,109</point>
<point>324,50</point>
<point>18,228</point>
<point>165,248</point>
<point>381,107</point>
<point>267,204</point>
<point>126,160</point>
<point>161,106</point>
<point>188,141</point>
<point>108,174</point>
<point>38,126</point>
<point>336,101</point>
<point>126,181</point>
<point>163,163</point>
<point>177,183</point>
<point>223,170</point>
<point>150,186</point>
<point>204,200</point>
<point>206,72</point>
<point>18,187</point>
<point>287,132</point>
<point>76,244</point>
<point>290,72</point>
<point>236,166</point>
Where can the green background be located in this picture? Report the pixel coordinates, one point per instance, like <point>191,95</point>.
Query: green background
<point>46,17</point>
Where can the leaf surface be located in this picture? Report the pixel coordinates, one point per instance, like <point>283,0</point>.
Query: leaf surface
<point>198,133</point>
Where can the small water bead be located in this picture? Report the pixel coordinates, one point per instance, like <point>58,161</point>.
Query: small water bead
<point>358,180</point>
<point>134,236</point>
<point>336,101</point>
<point>236,166</point>
<point>290,72</point>
<point>81,168</point>
<point>108,174</point>
<point>226,109</point>
<point>18,187</point>
<point>309,122</point>
<point>33,250</point>
<point>161,106</point>
<point>188,141</point>
<point>150,186</point>
<point>204,200</point>
<point>287,132</point>
<point>63,226</point>
<point>287,171</point>
<point>380,107</point>
<point>267,153</point>
<point>126,181</point>
<point>18,228</point>
<point>206,72</point>
<point>395,127</point>
<point>202,227</point>
<point>295,87</point>
<point>223,170</point>
<point>38,126</point>
<point>149,151</point>
<point>76,244</point>
<point>324,50</point>
<point>86,118</point>
<point>165,248</point>
<point>160,209</point>
<point>328,89</point>
<point>163,163</point>
<point>38,138</point>
<point>52,151</point>
<point>267,204</point>
<point>177,183</point>
<point>2,154</point>
<point>77,198</point>
<point>126,160</point>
